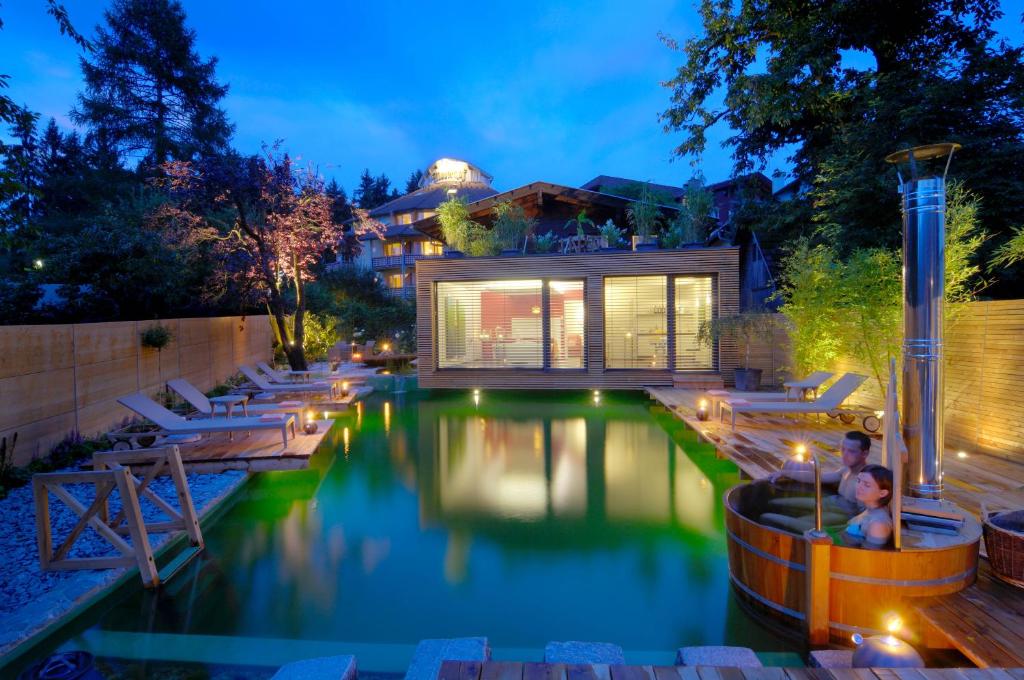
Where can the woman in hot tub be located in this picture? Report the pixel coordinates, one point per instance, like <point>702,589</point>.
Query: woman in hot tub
<point>872,528</point>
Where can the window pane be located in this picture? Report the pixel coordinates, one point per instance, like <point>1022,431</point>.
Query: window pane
<point>636,322</point>
<point>566,323</point>
<point>693,307</point>
<point>489,324</point>
<point>391,249</point>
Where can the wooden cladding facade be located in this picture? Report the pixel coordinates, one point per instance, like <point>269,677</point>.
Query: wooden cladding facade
<point>722,264</point>
<point>57,379</point>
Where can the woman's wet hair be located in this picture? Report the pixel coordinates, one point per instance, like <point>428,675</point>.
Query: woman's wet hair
<point>883,478</point>
<point>860,438</point>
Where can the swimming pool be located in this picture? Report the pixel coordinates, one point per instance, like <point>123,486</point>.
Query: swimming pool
<point>521,517</point>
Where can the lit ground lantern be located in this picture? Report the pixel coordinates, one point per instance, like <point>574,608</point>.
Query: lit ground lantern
<point>886,651</point>
<point>702,409</point>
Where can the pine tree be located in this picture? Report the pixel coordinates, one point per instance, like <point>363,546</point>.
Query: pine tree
<point>148,93</point>
<point>413,183</point>
<point>366,191</point>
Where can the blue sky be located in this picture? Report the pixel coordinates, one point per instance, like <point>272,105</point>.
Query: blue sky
<point>527,90</point>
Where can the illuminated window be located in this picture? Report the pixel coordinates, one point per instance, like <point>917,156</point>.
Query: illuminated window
<point>566,321</point>
<point>393,248</point>
<point>394,280</point>
<point>432,248</point>
<point>692,307</point>
<point>403,218</point>
<point>636,322</point>
<point>489,324</point>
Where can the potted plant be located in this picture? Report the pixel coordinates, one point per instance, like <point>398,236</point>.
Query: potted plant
<point>644,216</point>
<point>611,236</point>
<point>544,243</point>
<point>747,328</point>
<point>580,223</point>
<point>511,227</point>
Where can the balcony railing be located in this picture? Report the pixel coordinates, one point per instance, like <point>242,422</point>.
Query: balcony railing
<point>395,261</point>
<point>406,292</point>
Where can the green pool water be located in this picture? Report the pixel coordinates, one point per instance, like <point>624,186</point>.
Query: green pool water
<point>523,517</point>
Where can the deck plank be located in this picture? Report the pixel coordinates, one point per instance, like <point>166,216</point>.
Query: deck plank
<point>502,670</point>
<point>449,670</point>
<point>543,671</point>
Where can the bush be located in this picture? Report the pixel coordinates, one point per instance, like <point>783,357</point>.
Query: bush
<point>157,337</point>
<point>545,243</point>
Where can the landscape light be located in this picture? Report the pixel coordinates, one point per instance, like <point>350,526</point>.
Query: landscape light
<point>37,263</point>
<point>702,409</point>
<point>885,651</point>
<point>961,454</point>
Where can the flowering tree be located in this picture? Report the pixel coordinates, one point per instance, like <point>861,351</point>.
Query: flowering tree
<point>269,222</point>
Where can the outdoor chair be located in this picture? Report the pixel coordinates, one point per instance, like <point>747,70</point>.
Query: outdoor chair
<point>171,423</point>
<point>264,385</point>
<point>831,399</point>
<point>201,403</point>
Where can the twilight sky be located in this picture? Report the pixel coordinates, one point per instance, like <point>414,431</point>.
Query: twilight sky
<point>526,90</point>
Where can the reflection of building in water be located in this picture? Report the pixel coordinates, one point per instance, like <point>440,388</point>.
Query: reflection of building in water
<point>616,471</point>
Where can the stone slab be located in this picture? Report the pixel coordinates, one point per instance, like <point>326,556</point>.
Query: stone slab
<point>832,658</point>
<point>426,660</point>
<point>583,652</point>
<point>727,657</point>
<point>322,668</point>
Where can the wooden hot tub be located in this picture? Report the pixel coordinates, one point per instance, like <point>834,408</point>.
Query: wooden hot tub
<point>769,569</point>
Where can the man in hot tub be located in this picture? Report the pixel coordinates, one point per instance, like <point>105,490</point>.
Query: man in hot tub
<point>836,508</point>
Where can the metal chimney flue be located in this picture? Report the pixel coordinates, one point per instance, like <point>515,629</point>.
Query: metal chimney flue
<point>924,278</point>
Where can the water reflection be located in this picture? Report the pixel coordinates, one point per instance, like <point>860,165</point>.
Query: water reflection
<point>517,518</point>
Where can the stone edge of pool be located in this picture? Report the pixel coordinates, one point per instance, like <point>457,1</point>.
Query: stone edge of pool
<point>37,624</point>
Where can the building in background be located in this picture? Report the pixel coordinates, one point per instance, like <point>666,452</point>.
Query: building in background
<point>394,254</point>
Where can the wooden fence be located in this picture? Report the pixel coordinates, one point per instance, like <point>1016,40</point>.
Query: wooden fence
<point>984,375</point>
<point>66,378</point>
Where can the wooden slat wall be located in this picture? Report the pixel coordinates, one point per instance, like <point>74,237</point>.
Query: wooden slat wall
<point>984,352</point>
<point>61,378</point>
<point>592,267</point>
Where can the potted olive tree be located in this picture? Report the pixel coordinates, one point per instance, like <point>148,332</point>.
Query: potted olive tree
<point>747,328</point>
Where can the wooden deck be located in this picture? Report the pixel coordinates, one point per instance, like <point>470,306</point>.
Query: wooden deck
<point>256,452</point>
<point>503,670</point>
<point>986,621</point>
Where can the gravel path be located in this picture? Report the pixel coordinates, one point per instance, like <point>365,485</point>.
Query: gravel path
<point>31,598</point>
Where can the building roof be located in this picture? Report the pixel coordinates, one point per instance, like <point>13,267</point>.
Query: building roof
<point>395,231</point>
<point>607,182</point>
<point>428,198</point>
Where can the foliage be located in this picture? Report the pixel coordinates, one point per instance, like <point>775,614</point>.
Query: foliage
<point>545,243</point>
<point>693,221</point>
<point>157,337</point>
<point>147,89</point>
<point>321,335</point>
<point>580,223</point>
<point>7,463</point>
<point>643,215</point>
<point>839,89</point>
<point>69,451</point>
<point>747,328</point>
<point>613,236</point>
<point>1011,252</point>
<point>854,306</point>
<point>358,306</point>
<point>463,234</point>
<point>373,192</point>
<point>269,223</point>
<point>413,183</point>
<point>511,225</point>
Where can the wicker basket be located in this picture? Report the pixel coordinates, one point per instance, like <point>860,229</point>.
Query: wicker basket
<point>1004,542</point>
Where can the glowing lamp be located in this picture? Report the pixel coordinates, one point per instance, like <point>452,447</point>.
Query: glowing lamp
<point>357,356</point>
<point>344,388</point>
<point>961,454</point>
<point>702,409</point>
<point>386,347</point>
<point>800,453</point>
<point>310,427</point>
<point>38,264</point>
<point>885,651</point>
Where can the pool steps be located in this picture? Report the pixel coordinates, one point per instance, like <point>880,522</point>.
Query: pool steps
<point>426,660</point>
<point>717,655</point>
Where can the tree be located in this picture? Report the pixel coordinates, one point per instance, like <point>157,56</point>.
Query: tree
<point>693,220</point>
<point>270,222</point>
<point>931,71</point>
<point>148,90</point>
<point>413,183</point>
<point>373,191</point>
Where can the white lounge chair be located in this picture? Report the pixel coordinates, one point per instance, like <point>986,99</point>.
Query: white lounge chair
<point>171,423</point>
<point>205,407</point>
<point>280,378</point>
<point>794,389</point>
<point>261,382</point>
<point>831,399</point>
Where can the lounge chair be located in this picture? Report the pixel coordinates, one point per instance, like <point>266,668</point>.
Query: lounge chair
<point>171,423</point>
<point>831,399</point>
<point>794,389</point>
<point>280,378</point>
<point>205,407</point>
<point>265,385</point>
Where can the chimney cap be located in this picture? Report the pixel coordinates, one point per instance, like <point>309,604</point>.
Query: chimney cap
<point>923,153</point>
